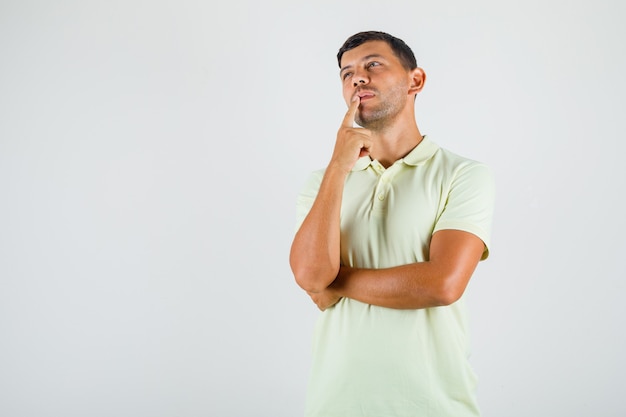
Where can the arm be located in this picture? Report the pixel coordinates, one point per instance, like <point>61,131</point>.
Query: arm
<point>454,255</point>
<point>314,256</point>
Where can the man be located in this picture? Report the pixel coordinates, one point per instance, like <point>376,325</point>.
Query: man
<point>389,234</point>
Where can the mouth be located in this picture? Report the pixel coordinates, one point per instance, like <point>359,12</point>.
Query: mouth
<point>364,95</point>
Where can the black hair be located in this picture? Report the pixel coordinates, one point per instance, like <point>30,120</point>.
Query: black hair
<point>399,48</point>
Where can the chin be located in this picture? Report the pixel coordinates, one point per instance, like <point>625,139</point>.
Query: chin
<point>364,120</point>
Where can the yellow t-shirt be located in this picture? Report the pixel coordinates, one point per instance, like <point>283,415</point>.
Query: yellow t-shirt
<point>380,362</point>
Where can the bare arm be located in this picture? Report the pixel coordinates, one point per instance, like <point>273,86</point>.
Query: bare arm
<point>314,256</point>
<point>441,280</point>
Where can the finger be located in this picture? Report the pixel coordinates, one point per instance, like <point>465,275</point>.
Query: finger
<point>348,120</point>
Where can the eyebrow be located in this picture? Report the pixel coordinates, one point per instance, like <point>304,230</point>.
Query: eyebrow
<point>365,58</point>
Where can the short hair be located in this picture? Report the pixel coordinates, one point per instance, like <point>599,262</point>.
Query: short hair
<point>398,46</point>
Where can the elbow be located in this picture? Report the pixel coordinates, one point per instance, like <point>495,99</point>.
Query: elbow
<point>309,286</point>
<point>313,274</point>
<point>312,279</point>
<point>447,298</point>
<point>450,291</point>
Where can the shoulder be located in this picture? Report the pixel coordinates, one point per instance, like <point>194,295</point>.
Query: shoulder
<point>455,159</point>
<point>453,164</point>
<point>312,183</point>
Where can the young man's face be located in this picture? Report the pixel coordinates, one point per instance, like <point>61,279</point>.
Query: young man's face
<point>374,73</point>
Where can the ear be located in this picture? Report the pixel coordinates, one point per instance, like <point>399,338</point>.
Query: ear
<point>418,78</point>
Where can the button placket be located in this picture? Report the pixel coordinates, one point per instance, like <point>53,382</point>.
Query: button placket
<point>383,186</point>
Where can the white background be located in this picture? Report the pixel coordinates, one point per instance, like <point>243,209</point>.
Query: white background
<point>150,157</point>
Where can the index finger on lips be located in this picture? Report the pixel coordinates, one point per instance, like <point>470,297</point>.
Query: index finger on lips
<point>348,120</point>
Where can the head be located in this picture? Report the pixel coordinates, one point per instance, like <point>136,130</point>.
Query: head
<point>399,48</point>
<point>380,69</point>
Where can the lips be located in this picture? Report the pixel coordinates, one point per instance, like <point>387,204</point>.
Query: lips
<point>365,95</point>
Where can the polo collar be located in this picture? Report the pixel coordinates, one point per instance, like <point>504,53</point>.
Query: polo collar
<point>421,153</point>
<point>418,155</point>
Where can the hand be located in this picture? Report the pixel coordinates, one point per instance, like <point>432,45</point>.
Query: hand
<point>324,299</point>
<point>352,142</point>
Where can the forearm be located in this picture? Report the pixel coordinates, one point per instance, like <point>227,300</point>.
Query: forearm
<point>314,256</point>
<point>410,286</point>
<point>440,281</point>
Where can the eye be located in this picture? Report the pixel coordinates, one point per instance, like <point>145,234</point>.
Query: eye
<point>345,75</point>
<point>373,64</point>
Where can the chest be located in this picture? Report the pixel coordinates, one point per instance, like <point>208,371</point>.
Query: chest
<point>390,216</point>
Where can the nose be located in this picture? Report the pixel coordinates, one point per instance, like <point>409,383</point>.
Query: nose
<point>359,78</point>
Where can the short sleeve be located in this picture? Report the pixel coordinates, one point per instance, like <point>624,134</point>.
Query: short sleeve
<point>307,196</point>
<point>470,203</point>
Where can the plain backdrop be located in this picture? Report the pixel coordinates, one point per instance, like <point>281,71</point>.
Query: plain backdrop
<point>151,153</point>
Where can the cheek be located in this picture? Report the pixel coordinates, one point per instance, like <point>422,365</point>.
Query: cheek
<point>400,91</point>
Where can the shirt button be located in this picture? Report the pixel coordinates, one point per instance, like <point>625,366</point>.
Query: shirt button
<point>381,197</point>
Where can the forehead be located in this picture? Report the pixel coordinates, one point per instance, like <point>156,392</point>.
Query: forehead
<point>380,48</point>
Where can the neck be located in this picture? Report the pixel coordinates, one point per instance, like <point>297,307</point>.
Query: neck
<point>395,142</point>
